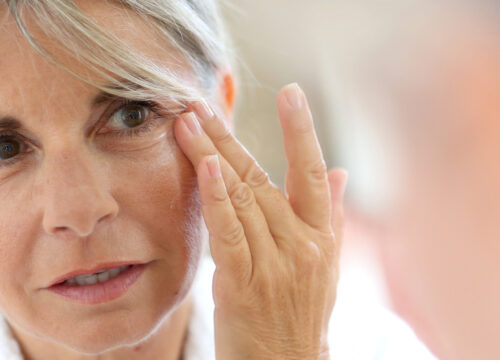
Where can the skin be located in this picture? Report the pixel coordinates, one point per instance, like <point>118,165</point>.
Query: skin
<point>278,253</point>
<point>147,197</point>
<point>87,199</point>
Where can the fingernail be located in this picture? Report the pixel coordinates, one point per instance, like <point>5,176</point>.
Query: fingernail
<point>293,95</point>
<point>192,123</point>
<point>214,167</point>
<point>203,110</point>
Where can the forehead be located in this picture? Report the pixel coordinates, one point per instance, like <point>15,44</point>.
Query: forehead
<point>30,83</point>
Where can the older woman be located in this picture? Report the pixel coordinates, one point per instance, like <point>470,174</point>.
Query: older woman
<point>115,152</point>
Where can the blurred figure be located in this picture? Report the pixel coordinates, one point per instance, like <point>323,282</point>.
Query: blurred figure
<point>420,125</point>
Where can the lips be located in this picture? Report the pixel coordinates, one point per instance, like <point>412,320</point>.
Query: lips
<point>92,270</point>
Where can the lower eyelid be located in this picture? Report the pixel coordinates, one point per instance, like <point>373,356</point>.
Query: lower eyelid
<point>154,122</point>
<point>149,126</point>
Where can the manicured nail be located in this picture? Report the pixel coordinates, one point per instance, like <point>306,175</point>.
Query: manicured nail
<point>192,123</point>
<point>293,95</point>
<point>214,167</point>
<point>203,110</point>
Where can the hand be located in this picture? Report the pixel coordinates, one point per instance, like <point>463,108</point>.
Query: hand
<point>276,256</point>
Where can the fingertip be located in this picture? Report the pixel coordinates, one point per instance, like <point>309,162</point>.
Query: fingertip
<point>213,166</point>
<point>182,121</point>
<point>209,167</point>
<point>178,130</point>
<point>338,181</point>
<point>291,97</point>
<point>210,180</point>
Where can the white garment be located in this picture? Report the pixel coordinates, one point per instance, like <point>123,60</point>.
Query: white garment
<point>356,332</point>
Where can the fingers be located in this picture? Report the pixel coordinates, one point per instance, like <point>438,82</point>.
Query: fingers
<point>197,146</point>
<point>228,245</point>
<point>306,180</point>
<point>271,200</point>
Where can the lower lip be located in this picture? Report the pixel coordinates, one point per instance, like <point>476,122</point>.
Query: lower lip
<point>101,292</point>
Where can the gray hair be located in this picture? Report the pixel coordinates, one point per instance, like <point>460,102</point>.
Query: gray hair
<point>193,27</point>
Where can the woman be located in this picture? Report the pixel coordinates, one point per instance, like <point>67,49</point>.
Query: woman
<point>116,151</point>
<point>116,188</point>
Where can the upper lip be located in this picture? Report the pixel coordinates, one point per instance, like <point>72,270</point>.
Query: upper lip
<point>94,269</point>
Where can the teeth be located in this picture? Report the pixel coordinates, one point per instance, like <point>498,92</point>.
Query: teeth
<point>99,277</point>
<point>103,276</point>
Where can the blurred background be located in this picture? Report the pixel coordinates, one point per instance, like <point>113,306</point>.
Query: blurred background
<point>381,60</point>
<point>317,44</point>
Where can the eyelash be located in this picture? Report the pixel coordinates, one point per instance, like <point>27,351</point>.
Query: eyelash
<point>150,124</point>
<point>143,129</point>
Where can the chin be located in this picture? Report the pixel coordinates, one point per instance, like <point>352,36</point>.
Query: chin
<point>102,340</point>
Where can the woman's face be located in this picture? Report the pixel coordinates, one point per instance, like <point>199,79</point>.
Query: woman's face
<point>75,194</point>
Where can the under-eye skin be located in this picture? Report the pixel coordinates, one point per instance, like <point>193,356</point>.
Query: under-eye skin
<point>141,116</point>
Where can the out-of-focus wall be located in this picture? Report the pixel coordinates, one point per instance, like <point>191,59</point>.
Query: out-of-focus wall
<point>405,97</point>
<point>278,42</point>
<point>316,44</point>
<point>312,43</point>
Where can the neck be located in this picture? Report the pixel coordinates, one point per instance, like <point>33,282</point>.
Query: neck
<point>166,343</point>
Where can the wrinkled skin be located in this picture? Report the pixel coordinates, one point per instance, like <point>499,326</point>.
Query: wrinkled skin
<point>78,197</point>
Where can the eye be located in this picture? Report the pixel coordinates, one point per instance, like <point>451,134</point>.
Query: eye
<point>9,147</point>
<point>127,116</point>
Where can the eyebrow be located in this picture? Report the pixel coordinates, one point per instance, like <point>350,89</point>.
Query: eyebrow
<point>100,98</point>
<point>122,84</point>
<point>9,122</point>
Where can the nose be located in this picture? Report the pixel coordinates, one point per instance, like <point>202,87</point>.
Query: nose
<point>75,197</point>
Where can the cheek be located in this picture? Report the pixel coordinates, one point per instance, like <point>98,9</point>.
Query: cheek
<point>15,245</point>
<point>159,190</point>
<point>157,193</point>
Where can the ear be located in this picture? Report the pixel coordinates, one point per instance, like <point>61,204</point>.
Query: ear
<point>226,93</point>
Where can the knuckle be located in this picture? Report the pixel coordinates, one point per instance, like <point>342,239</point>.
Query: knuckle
<point>318,171</point>
<point>233,235</point>
<point>242,196</point>
<point>255,176</point>
<point>223,137</point>
<point>309,255</point>
<point>218,197</point>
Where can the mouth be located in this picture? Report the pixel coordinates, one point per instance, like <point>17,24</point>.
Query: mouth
<point>98,274</point>
<point>100,286</point>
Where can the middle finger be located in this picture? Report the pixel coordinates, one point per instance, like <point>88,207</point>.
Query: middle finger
<point>196,145</point>
<point>273,203</point>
